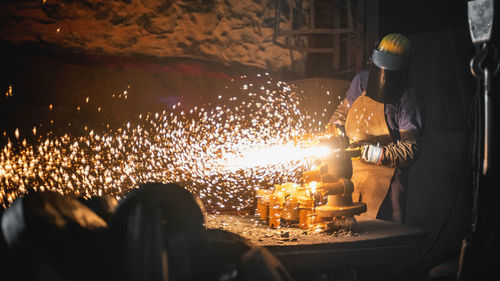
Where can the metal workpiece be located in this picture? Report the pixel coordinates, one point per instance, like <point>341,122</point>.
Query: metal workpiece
<point>331,210</point>
<point>339,202</point>
<point>322,203</point>
<point>340,187</point>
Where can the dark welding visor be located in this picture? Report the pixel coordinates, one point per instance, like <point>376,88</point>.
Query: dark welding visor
<point>386,85</point>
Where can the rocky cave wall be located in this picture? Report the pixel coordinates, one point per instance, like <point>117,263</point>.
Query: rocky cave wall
<point>226,31</point>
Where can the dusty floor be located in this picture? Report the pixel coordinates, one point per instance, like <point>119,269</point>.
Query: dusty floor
<point>258,232</point>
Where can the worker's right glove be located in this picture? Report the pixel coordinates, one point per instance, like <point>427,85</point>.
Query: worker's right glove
<point>372,154</point>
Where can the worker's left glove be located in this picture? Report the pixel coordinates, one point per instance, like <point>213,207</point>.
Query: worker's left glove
<point>372,154</point>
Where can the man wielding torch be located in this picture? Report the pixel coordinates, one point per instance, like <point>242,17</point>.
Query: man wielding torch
<point>383,115</point>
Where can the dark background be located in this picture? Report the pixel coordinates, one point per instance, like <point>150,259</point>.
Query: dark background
<point>440,192</point>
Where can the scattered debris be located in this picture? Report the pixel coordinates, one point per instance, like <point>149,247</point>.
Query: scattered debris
<point>258,232</point>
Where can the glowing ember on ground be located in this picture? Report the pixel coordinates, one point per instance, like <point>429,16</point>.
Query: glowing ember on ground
<point>221,152</point>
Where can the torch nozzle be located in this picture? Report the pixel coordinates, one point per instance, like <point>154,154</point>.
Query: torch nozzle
<point>353,152</point>
<point>338,142</point>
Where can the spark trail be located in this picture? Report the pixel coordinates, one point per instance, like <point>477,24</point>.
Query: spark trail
<point>221,152</point>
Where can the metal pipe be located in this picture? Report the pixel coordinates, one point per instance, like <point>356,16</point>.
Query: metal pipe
<point>341,187</point>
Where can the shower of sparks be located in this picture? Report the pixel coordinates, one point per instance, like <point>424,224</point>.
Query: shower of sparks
<point>222,152</point>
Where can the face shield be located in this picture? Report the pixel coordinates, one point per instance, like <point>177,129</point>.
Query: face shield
<point>388,77</point>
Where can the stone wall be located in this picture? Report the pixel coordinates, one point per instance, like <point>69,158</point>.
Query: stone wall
<point>227,31</point>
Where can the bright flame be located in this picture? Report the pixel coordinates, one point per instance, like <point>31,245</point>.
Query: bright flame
<point>313,185</point>
<point>274,155</point>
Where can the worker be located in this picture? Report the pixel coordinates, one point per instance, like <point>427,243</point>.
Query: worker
<point>383,116</point>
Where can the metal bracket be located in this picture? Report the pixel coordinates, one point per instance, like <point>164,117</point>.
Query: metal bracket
<point>480,14</point>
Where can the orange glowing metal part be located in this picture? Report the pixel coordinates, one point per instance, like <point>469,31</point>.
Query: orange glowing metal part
<point>313,185</point>
<point>8,93</point>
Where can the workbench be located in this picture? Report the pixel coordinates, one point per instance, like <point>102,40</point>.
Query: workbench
<point>375,244</point>
<point>379,244</point>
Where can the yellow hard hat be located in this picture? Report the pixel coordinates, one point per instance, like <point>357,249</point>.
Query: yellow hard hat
<point>392,52</point>
<point>395,44</point>
<point>389,69</point>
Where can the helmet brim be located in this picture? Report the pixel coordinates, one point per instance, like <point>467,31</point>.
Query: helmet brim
<point>389,62</point>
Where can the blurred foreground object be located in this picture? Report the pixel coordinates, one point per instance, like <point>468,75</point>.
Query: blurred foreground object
<point>156,233</point>
<point>54,237</point>
<point>159,234</point>
<point>104,206</point>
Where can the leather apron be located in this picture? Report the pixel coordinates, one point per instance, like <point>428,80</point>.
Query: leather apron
<point>366,123</point>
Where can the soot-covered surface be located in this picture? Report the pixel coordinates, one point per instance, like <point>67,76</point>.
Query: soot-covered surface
<point>258,232</point>
<point>368,233</point>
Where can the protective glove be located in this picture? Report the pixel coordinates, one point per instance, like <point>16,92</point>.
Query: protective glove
<point>372,154</point>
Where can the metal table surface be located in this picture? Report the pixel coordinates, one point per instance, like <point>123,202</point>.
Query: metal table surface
<point>380,244</point>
